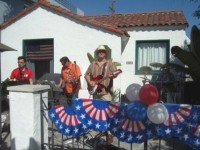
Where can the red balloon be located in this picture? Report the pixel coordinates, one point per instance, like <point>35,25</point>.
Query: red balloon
<point>148,94</point>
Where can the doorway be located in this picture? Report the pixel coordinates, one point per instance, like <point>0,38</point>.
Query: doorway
<point>39,54</point>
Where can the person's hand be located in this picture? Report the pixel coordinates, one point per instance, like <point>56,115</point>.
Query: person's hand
<point>92,83</point>
<point>12,80</point>
<point>114,75</point>
<point>58,85</point>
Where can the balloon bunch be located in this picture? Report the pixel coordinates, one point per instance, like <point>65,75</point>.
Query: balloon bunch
<point>148,95</point>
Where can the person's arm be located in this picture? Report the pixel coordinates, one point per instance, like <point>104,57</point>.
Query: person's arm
<point>60,82</point>
<point>30,73</point>
<point>87,77</point>
<point>31,81</point>
<point>12,76</point>
<point>114,71</point>
<point>77,72</point>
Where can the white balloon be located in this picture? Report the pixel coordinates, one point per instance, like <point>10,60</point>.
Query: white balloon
<point>132,91</point>
<point>157,113</point>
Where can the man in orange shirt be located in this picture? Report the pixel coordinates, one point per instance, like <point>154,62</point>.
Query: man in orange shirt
<point>70,78</point>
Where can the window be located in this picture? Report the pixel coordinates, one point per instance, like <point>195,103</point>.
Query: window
<point>151,52</point>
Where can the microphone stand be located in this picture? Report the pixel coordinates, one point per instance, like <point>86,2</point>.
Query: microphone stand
<point>76,81</point>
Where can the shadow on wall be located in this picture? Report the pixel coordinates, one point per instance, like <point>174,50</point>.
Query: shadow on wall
<point>33,145</point>
<point>124,99</point>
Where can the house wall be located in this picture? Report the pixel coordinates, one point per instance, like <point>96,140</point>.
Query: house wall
<point>74,39</point>
<point>176,35</point>
<point>71,38</point>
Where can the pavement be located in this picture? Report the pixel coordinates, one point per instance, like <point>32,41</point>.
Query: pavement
<point>5,131</point>
<point>154,144</point>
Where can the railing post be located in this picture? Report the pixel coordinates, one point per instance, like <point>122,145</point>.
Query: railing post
<point>25,116</point>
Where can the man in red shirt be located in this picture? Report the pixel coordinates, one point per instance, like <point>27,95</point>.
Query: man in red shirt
<point>22,73</point>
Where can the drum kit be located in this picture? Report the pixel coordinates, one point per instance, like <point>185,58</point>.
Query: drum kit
<point>145,70</point>
<point>164,76</point>
<point>164,80</point>
<point>156,65</point>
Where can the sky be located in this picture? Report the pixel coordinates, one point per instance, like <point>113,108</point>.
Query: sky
<point>100,7</point>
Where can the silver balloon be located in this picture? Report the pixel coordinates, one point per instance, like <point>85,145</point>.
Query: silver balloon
<point>132,92</point>
<point>157,113</point>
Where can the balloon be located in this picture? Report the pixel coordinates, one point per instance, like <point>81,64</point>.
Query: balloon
<point>148,94</point>
<point>157,113</point>
<point>136,111</point>
<point>132,91</point>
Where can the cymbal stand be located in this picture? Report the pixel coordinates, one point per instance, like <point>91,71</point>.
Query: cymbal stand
<point>160,90</point>
<point>144,81</point>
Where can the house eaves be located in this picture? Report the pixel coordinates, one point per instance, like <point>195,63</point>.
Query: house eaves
<point>58,9</point>
<point>160,18</point>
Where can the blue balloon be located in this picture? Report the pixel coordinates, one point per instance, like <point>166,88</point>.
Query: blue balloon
<point>136,111</point>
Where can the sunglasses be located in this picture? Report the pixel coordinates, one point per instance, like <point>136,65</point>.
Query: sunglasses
<point>20,62</point>
<point>101,51</point>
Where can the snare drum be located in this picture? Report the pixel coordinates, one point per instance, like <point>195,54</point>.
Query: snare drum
<point>156,77</point>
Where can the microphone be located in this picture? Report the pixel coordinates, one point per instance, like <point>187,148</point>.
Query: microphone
<point>75,71</point>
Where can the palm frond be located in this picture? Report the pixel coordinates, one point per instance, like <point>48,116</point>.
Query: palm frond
<point>90,57</point>
<point>117,63</point>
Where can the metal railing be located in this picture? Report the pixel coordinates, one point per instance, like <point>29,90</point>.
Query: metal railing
<point>87,141</point>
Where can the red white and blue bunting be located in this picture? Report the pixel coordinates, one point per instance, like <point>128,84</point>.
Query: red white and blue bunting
<point>128,122</point>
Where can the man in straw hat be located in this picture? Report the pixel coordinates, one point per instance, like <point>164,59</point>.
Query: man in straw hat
<point>100,73</point>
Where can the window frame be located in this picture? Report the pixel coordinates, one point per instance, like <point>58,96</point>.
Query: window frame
<point>138,42</point>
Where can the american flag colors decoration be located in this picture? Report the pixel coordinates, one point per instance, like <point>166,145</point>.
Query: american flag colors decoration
<point>181,113</point>
<point>66,121</point>
<point>183,122</point>
<point>129,130</point>
<point>95,113</point>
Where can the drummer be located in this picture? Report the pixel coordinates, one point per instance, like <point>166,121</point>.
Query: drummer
<point>167,76</point>
<point>165,82</point>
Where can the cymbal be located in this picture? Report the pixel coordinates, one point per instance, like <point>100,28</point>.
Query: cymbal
<point>145,70</point>
<point>156,64</point>
<point>145,78</point>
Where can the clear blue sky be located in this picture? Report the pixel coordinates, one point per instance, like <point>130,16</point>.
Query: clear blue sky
<point>99,7</point>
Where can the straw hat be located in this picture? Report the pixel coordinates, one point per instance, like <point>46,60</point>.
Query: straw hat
<point>100,48</point>
<point>104,48</point>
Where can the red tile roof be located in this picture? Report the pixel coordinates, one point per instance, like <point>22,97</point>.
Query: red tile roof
<point>161,18</point>
<point>112,22</point>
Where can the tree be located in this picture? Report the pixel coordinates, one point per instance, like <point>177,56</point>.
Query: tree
<point>191,58</point>
<point>197,11</point>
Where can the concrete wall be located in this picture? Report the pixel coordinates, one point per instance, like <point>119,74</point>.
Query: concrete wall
<point>176,36</point>
<point>28,123</point>
<point>71,38</point>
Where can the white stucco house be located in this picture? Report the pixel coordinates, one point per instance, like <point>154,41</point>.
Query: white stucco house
<point>45,33</point>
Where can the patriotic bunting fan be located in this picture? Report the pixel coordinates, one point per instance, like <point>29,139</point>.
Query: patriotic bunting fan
<point>128,122</point>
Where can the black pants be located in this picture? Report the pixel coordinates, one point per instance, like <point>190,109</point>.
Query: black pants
<point>66,99</point>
